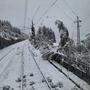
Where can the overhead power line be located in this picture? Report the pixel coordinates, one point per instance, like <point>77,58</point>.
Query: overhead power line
<point>73,12</point>
<point>36,12</point>
<point>65,13</point>
<point>25,12</point>
<point>69,17</point>
<point>47,10</point>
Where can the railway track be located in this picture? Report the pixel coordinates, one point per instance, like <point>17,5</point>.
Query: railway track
<point>8,68</point>
<point>9,62</point>
<point>44,78</point>
<point>33,72</point>
<point>60,70</point>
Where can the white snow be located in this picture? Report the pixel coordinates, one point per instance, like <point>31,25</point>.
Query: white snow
<point>10,69</point>
<point>75,78</point>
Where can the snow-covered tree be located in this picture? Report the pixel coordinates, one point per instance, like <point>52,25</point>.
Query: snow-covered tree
<point>45,36</point>
<point>64,34</point>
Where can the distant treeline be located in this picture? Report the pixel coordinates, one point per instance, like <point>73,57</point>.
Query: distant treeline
<point>5,43</point>
<point>6,26</point>
<point>9,34</point>
<point>45,36</point>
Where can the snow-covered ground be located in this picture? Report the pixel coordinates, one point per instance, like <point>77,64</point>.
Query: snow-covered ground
<point>35,73</point>
<point>72,76</point>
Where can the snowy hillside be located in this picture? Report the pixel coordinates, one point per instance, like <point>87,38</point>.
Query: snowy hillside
<point>10,34</point>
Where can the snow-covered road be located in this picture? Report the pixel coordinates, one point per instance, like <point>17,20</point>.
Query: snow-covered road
<point>22,60</point>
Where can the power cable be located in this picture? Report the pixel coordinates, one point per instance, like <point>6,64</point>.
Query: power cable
<point>47,10</point>
<point>70,8</point>
<point>36,12</point>
<point>25,13</point>
<point>65,13</point>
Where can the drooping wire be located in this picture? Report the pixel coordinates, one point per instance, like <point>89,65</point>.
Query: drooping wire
<point>73,12</point>
<point>25,13</point>
<point>69,17</point>
<point>36,12</point>
<point>47,10</point>
<point>65,13</point>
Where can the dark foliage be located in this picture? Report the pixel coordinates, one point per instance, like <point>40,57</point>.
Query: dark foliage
<point>47,34</point>
<point>9,34</point>
<point>16,30</point>
<point>6,26</point>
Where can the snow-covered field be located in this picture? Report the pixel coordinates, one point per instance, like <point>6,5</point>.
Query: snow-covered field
<point>22,59</point>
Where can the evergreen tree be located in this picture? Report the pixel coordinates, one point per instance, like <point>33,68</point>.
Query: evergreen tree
<point>46,34</point>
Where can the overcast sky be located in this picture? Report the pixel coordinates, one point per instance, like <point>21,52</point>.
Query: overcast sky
<point>13,11</point>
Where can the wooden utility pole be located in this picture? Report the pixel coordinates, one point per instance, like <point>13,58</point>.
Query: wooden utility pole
<point>25,13</point>
<point>78,21</point>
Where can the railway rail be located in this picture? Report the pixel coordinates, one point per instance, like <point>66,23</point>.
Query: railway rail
<point>79,68</point>
<point>33,72</point>
<point>60,70</point>
<point>49,86</point>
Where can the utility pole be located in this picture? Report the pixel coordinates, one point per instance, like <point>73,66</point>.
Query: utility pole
<point>22,60</point>
<point>25,13</point>
<point>78,21</point>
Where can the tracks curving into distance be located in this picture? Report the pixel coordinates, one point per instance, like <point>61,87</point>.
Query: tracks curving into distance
<point>49,86</point>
